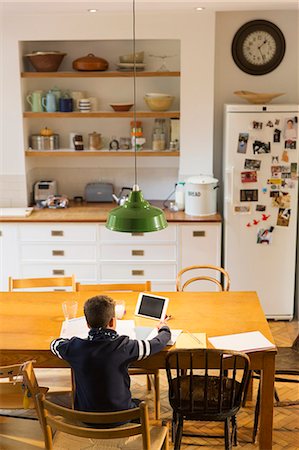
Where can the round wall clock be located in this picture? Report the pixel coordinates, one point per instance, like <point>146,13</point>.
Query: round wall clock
<point>258,47</point>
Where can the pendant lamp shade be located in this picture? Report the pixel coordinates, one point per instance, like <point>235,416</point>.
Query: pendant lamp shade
<point>136,215</point>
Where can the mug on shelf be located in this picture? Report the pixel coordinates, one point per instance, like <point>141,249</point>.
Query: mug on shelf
<point>35,101</point>
<point>49,102</point>
<point>78,142</point>
<point>72,135</point>
<point>77,95</point>
<point>84,105</point>
<point>65,104</point>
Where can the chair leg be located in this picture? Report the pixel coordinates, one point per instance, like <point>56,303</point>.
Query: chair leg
<point>256,414</point>
<point>148,383</point>
<point>173,426</point>
<point>157,396</point>
<point>227,440</point>
<point>248,389</point>
<point>234,431</point>
<point>178,434</point>
<point>276,395</point>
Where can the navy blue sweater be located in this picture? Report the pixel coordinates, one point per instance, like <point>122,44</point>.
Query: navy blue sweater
<point>100,364</point>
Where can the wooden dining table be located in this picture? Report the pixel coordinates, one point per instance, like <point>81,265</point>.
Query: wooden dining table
<point>29,321</point>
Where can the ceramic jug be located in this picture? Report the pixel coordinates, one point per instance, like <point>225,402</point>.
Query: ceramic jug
<point>35,101</point>
<point>94,141</point>
<point>49,102</point>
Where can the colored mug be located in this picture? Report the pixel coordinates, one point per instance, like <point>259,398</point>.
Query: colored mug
<point>49,102</point>
<point>35,101</point>
<point>84,105</point>
<point>65,104</point>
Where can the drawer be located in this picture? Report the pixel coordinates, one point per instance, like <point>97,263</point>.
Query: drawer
<point>200,244</point>
<point>58,232</point>
<point>168,234</point>
<point>138,271</point>
<point>82,272</point>
<point>57,252</point>
<point>138,252</point>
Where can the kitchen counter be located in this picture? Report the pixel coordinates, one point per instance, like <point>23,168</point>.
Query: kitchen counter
<point>98,212</point>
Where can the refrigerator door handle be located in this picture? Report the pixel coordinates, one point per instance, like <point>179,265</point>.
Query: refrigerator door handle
<point>229,173</point>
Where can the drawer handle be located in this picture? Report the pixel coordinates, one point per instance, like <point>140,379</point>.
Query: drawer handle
<point>57,252</point>
<point>137,234</point>
<point>137,252</point>
<point>57,272</point>
<point>199,233</point>
<point>138,272</point>
<point>56,233</point>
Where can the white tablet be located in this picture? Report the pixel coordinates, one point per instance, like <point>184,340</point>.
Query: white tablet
<point>151,306</point>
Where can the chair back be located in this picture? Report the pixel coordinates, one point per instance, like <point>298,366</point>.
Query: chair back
<point>223,284</point>
<point>211,393</point>
<point>73,422</point>
<point>13,394</point>
<point>135,287</point>
<point>27,283</point>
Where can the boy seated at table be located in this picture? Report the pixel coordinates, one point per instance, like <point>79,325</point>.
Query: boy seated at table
<point>100,362</point>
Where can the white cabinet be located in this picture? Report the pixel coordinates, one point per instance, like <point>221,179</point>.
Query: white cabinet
<point>95,254</point>
<point>200,244</point>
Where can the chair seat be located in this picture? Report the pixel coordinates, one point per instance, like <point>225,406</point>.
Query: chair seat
<point>64,441</point>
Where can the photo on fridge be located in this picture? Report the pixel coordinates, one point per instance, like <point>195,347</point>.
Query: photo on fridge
<point>283,218</point>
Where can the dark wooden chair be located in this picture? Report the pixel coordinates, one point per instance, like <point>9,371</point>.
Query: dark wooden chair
<point>286,371</point>
<point>213,393</point>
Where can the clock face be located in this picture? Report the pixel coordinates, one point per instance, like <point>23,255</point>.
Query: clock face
<point>258,47</point>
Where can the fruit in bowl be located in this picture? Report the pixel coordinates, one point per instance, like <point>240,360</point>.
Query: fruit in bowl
<point>159,103</point>
<point>121,106</point>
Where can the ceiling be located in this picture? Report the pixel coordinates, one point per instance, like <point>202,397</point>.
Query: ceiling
<point>81,7</point>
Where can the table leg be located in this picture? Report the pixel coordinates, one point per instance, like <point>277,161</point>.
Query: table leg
<point>267,393</point>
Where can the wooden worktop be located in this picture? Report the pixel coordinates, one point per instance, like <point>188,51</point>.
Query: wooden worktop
<point>98,212</point>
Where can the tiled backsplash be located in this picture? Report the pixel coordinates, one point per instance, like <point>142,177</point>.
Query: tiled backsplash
<point>13,191</point>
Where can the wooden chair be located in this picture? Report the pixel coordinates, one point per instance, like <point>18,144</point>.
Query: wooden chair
<point>133,436</point>
<point>286,371</point>
<point>130,287</point>
<point>222,285</point>
<point>26,283</point>
<point>135,287</point>
<point>213,394</point>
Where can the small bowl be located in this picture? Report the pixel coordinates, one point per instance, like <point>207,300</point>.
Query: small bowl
<point>46,61</point>
<point>257,99</point>
<point>159,103</point>
<point>139,56</point>
<point>121,106</point>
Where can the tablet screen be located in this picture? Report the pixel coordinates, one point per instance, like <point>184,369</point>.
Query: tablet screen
<point>151,306</point>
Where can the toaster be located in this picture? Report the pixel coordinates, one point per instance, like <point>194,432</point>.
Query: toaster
<point>44,188</point>
<point>98,192</point>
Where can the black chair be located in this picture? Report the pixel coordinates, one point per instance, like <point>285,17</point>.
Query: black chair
<point>286,363</point>
<point>213,393</point>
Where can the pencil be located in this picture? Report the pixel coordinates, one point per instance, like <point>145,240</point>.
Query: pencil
<point>194,337</point>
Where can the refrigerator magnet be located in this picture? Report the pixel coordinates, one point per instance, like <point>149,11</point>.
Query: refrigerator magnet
<point>294,171</point>
<point>260,147</point>
<point>290,131</point>
<point>290,144</point>
<point>256,125</point>
<point>249,177</point>
<point>282,200</point>
<point>275,160</point>
<point>252,164</point>
<point>260,208</point>
<point>248,195</point>
<point>242,209</point>
<point>283,217</point>
<point>276,135</point>
<point>285,156</point>
<point>242,142</point>
<point>264,235</point>
<point>265,217</point>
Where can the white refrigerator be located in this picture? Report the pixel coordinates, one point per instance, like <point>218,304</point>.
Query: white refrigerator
<point>260,203</point>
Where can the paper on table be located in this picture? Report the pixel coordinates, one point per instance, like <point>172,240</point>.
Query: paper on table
<point>251,341</point>
<point>78,327</point>
<point>174,335</point>
<point>190,341</point>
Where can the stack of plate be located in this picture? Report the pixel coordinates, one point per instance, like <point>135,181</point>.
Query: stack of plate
<point>129,67</point>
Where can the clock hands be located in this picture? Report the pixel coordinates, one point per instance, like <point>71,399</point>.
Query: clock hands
<point>259,49</point>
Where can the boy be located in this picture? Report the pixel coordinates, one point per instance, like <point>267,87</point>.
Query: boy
<point>100,362</point>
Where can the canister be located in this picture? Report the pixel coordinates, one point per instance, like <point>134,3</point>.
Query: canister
<point>201,196</point>
<point>38,142</point>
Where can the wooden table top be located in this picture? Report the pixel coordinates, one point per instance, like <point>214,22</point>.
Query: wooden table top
<point>31,320</point>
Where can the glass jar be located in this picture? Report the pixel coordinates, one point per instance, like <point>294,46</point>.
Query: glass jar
<point>158,140</point>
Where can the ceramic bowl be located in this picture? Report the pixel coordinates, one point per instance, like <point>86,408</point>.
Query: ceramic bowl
<point>139,56</point>
<point>46,61</point>
<point>156,94</point>
<point>257,99</point>
<point>159,103</point>
<point>121,106</point>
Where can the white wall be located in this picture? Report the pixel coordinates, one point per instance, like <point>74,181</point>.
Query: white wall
<point>196,33</point>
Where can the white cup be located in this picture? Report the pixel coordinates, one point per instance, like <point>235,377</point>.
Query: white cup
<point>84,105</point>
<point>69,309</point>
<point>120,309</point>
<point>77,95</point>
<point>72,135</point>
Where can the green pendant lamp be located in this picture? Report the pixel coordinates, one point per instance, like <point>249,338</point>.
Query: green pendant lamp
<point>136,215</point>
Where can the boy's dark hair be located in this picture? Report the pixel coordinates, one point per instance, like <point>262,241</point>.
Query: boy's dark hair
<point>99,311</point>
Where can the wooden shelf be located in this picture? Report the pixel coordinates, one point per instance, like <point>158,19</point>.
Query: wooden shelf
<point>103,114</point>
<point>97,74</point>
<point>101,153</point>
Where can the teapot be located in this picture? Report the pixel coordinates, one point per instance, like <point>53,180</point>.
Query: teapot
<point>122,197</point>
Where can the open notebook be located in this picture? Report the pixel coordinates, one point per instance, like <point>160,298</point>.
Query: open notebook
<point>251,341</point>
<point>78,327</point>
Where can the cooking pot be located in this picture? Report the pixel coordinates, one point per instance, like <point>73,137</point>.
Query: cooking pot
<point>90,62</point>
<point>201,196</point>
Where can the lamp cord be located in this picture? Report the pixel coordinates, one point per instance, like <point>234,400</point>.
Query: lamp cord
<point>134,96</point>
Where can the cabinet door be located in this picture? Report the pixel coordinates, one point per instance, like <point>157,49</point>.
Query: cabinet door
<point>200,244</point>
<point>9,254</point>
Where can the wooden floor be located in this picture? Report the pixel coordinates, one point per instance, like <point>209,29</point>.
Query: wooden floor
<point>22,434</point>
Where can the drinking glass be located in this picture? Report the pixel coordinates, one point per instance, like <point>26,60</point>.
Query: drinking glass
<point>120,309</point>
<point>69,309</point>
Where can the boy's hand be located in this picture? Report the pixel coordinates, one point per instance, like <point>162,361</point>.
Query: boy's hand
<point>162,323</point>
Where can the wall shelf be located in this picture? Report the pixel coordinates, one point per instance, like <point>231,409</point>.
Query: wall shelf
<point>98,153</point>
<point>97,74</point>
<point>103,114</point>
